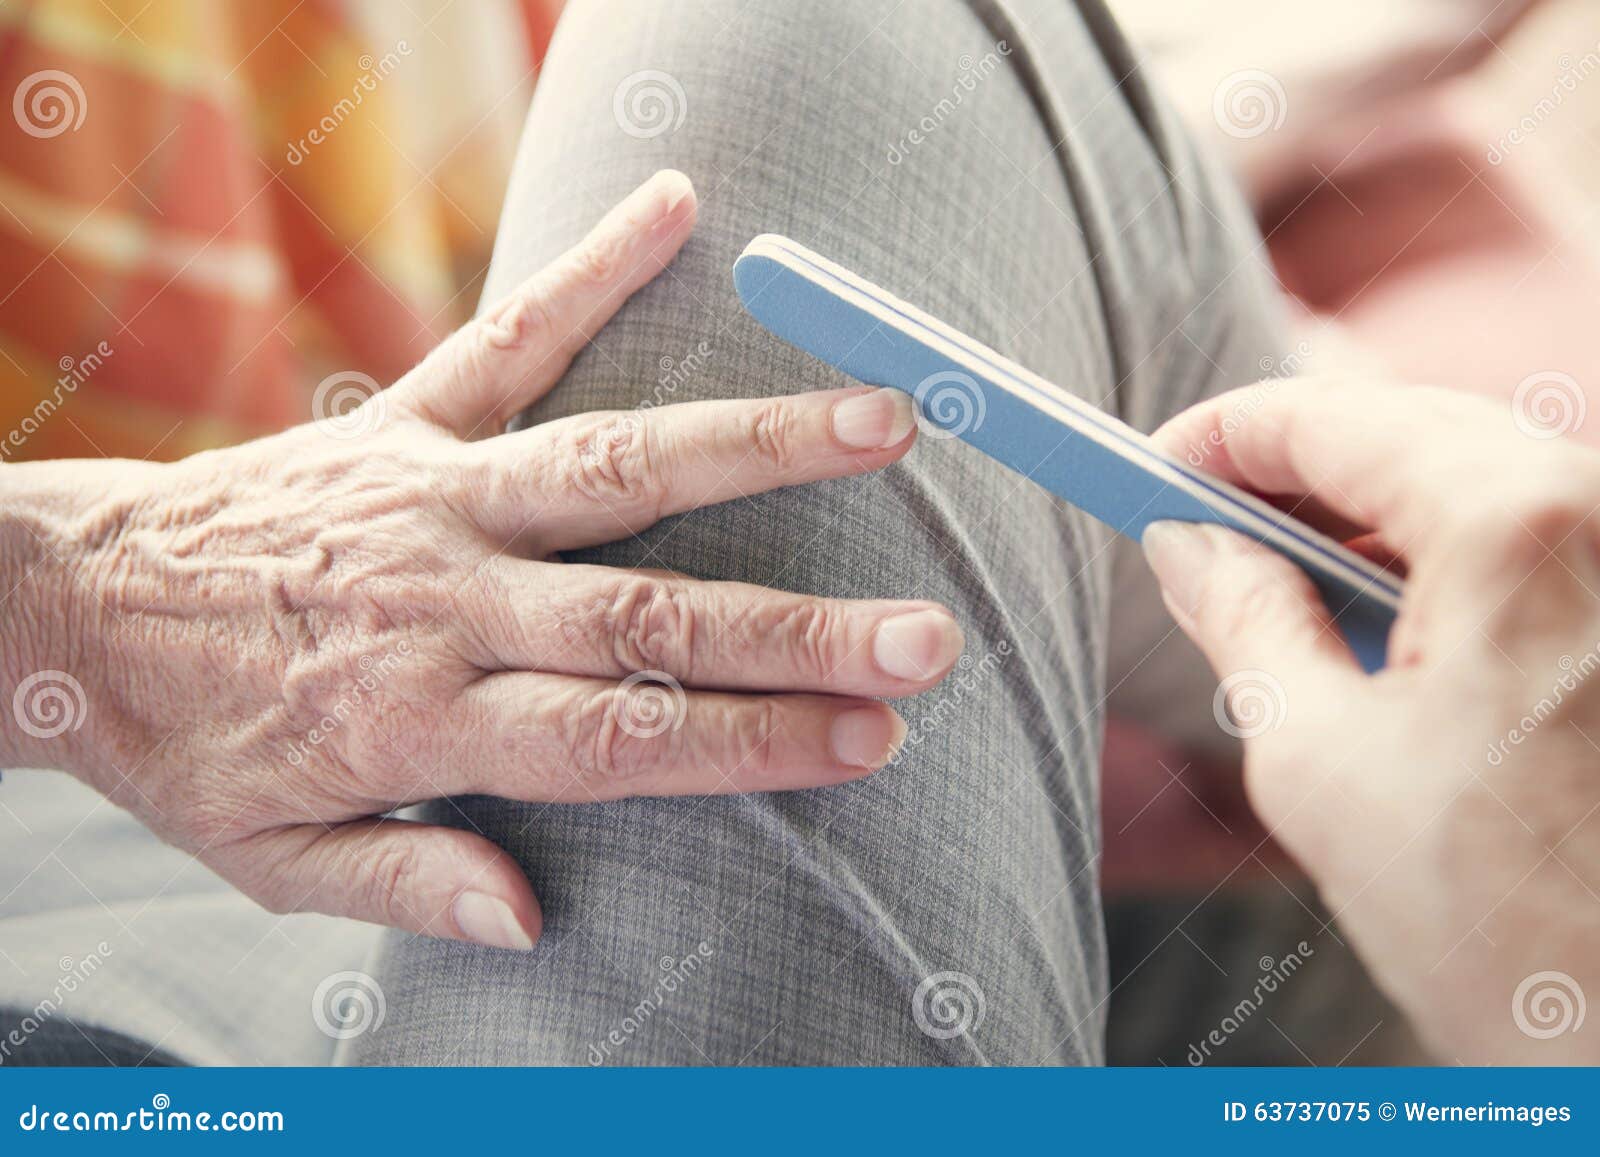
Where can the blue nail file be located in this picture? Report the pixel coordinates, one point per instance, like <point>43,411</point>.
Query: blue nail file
<point>1063,443</point>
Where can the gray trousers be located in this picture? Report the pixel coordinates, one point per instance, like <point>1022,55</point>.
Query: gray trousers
<point>1004,165</point>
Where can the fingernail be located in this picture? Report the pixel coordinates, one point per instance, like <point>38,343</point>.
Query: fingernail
<point>1179,553</point>
<point>679,187</point>
<point>873,421</point>
<point>867,736</point>
<point>917,646</point>
<point>489,921</point>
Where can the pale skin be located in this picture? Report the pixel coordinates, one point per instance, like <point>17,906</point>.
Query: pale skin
<point>1459,863</point>
<point>282,641</point>
<point>220,610</point>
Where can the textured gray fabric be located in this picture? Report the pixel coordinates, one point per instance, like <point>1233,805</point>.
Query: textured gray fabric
<point>108,936</point>
<point>1053,212</point>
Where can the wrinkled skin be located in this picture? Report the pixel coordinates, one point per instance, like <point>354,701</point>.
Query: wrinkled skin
<point>260,651</point>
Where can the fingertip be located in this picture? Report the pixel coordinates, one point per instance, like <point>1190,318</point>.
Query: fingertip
<point>867,737</point>
<point>919,647</point>
<point>668,210</point>
<point>677,192</point>
<point>493,920</point>
<point>1178,553</point>
<point>874,420</point>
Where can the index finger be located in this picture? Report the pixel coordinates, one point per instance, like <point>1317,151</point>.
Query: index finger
<point>510,356</point>
<point>1404,460</point>
<point>596,478</point>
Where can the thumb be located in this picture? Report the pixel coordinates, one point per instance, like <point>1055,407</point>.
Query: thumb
<point>432,880</point>
<point>1257,617</point>
<point>510,356</point>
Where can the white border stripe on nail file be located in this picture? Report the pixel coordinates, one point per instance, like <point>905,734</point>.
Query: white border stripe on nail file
<point>819,306</point>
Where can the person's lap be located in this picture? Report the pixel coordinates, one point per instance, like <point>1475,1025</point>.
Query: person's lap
<point>1004,169</point>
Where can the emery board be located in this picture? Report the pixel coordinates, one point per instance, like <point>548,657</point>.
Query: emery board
<point>1052,437</point>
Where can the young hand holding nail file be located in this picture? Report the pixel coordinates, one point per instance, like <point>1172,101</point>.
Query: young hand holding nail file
<point>1060,441</point>
<point>1448,805</point>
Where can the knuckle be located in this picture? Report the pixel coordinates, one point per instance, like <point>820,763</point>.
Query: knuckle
<point>525,320</point>
<point>773,436</point>
<point>262,879</point>
<point>1218,611</point>
<point>755,736</point>
<point>274,898</point>
<point>614,462</point>
<point>608,753</point>
<point>652,627</point>
<point>392,874</point>
<point>1253,591</point>
<point>1545,517</point>
<point>811,636</point>
<point>601,259</point>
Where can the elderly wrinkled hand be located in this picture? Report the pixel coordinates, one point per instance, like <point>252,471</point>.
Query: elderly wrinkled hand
<point>262,650</point>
